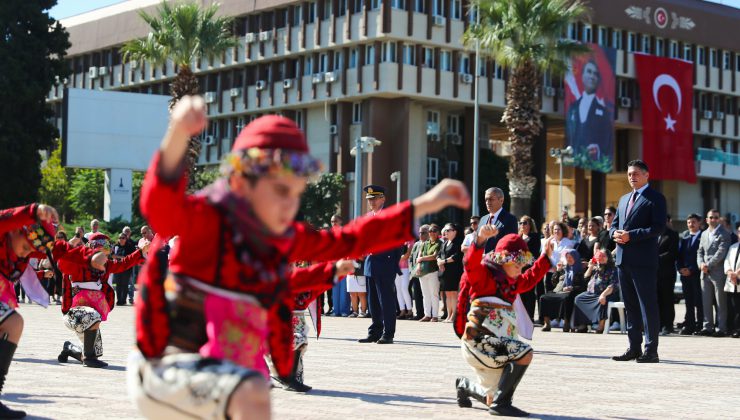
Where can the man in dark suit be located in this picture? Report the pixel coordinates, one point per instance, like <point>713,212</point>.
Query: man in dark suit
<point>380,271</point>
<point>589,122</point>
<point>667,255</point>
<point>687,267</point>
<point>639,221</point>
<point>497,216</point>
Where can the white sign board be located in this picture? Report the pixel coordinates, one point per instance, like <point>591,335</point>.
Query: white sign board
<point>106,129</point>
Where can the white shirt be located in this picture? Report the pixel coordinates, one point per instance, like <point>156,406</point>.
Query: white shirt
<point>468,241</point>
<point>494,217</point>
<point>585,106</point>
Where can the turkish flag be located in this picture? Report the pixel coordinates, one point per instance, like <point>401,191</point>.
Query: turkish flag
<point>667,128</point>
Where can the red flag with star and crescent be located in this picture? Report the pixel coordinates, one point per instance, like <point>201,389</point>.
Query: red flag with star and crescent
<point>667,129</point>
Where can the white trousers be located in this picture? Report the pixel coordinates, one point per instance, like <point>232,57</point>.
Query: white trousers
<point>430,290</point>
<point>402,290</point>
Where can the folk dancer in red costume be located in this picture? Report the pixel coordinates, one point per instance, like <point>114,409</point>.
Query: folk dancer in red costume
<point>490,334</point>
<point>205,322</point>
<point>307,285</point>
<point>88,299</point>
<point>25,232</point>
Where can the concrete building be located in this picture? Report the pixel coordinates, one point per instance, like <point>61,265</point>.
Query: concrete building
<point>396,70</point>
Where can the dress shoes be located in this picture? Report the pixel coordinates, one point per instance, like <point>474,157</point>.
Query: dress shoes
<point>648,358</point>
<point>706,332</point>
<point>736,334</point>
<point>385,340</point>
<point>686,331</point>
<point>627,356</point>
<point>368,339</point>
<point>719,334</point>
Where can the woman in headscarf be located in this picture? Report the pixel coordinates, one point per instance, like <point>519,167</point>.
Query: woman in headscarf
<point>603,287</point>
<point>568,279</point>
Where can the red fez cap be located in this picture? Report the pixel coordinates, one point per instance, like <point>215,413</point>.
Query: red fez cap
<point>271,132</point>
<point>511,243</point>
<point>97,236</point>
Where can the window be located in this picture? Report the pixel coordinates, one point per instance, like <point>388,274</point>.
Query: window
<point>713,57</point>
<point>688,53</point>
<point>438,7</point>
<point>704,102</point>
<point>547,79</point>
<point>323,63</point>
<point>357,6</point>
<point>338,60</point>
<point>327,10</point>
<point>587,33</point>
<point>726,60</point>
<point>299,119</point>
<point>409,55</point>
<point>308,66</point>
<point>737,62</point>
<point>311,12</point>
<point>464,66</point>
<point>445,61</point>
<point>603,36</point>
<point>452,168</point>
<point>356,112</point>
<point>432,125</point>
<point>398,4</point>
<point>419,6</point>
<point>700,55</point>
<point>572,33</point>
<point>369,54</point>
<point>482,68</point>
<point>631,42</point>
<point>645,44</point>
<point>472,14</point>
<point>432,172</point>
<point>428,54</point>
<point>498,71</point>
<point>617,39</point>
<point>297,15</point>
<point>453,124</point>
<point>389,52</point>
<point>456,9</point>
<point>674,50</point>
<point>352,62</point>
<point>622,88</point>
<point>375,5</point>
<point>659,50</point>
<point>342,7</point>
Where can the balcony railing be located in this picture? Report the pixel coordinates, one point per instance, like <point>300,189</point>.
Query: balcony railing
<point>715,155</point>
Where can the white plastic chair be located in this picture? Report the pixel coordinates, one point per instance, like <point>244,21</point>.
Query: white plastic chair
<point>619,306</point>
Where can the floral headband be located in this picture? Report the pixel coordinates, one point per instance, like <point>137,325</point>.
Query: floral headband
<point>259,162</point>
<point>523,257</point>
<point>39,238</point>
<point>99,243</point>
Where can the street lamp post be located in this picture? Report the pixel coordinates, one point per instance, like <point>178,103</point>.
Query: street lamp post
<point>476,122</point>
<point>362,145</point>
<point>396,176</point>
<point>560,154</point>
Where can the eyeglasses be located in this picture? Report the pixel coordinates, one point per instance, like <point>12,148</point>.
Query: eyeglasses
<point>712,217</point>
<point>608,214</point>
<point>523,223</point>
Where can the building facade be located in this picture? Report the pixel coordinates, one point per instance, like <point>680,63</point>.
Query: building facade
<point>396,70</point>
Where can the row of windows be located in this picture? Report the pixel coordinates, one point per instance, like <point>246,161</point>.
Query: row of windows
<point>433,171</point>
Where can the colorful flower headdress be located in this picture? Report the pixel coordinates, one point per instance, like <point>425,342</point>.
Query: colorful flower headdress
<point>523,257</point>
<point>257,161</point>
<point>39,238</point>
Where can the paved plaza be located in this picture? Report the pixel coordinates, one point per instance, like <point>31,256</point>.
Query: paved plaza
<point>571,377</point>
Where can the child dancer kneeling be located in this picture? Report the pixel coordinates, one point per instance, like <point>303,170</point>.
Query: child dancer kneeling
<point>490,338</point>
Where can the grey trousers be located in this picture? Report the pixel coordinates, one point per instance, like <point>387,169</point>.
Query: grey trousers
<point>714,289</point>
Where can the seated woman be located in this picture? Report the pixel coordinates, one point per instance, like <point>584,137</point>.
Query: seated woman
<point>591,305</point>
<point>569,283</point>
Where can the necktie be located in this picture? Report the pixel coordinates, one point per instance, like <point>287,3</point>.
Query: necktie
<point>632,202</point>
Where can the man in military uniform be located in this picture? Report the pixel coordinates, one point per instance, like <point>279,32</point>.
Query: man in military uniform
<point>380,271</point>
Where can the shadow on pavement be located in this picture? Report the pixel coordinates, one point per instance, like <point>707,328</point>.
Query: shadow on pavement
<point>36,399</point>
<point>662,361</point>
<point>374,398</point>
<point>400,342</point>
<point>55,362</point>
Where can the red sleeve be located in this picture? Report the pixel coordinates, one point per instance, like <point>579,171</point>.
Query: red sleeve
<point>316,278</point>
<point>40,274</point>
<point>17,217</point>
<point>529,279</point>
<point>119,266</point>
<point>80,255</point>
<point>391,227</point>
<point>163,201</point>
<point>478,275</point>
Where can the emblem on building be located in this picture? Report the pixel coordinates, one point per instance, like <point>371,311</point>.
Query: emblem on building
<point>660,17</point>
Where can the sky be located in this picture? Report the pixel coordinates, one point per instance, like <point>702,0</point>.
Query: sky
<point>67,8</point>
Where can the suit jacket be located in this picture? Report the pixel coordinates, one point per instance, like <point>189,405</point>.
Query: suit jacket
<point>667,254</point>
<point>506,224</point>
<point>687,252</point>
<point>732,262</point>
<point>597,128</point>
<point>644,224</point>
<point>712,251</point>
<point>384,264</point>
<point>452,250</point>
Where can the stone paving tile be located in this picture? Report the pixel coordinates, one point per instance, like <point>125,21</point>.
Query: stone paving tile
<point>571,377</point>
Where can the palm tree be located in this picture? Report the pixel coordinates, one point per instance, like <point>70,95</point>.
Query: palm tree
<point>182,33</point>
<point>527,37</point>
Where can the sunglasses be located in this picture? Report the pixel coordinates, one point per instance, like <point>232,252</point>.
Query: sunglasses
<point>608,214</point>
<point>523,223</point>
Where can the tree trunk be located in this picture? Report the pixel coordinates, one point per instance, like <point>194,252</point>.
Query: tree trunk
<point>522,119</point>
<point>187,84</point>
